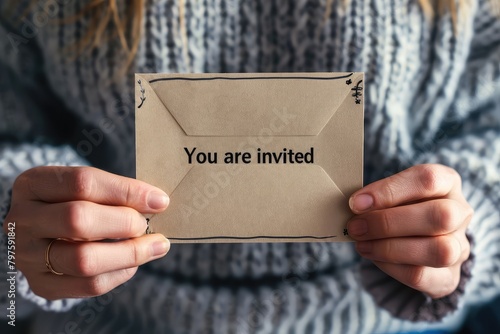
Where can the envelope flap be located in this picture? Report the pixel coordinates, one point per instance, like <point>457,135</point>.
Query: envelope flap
<point>158,140</point>
<point>271,205</point>
<point>250,104</point>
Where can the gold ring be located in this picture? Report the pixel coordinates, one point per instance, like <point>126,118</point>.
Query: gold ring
<point>47,258</point>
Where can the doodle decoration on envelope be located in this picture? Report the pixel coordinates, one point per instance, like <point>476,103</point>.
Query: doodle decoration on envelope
<point>254,157</point>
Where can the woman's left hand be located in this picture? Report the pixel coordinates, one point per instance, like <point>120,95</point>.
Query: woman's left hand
<point>412,226</point>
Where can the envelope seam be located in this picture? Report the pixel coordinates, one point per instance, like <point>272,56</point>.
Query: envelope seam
<point>167,109</point>
<point>340,105</point>
<point>336,186</point>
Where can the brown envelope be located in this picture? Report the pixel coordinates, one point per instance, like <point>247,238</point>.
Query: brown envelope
<point>274,157</point>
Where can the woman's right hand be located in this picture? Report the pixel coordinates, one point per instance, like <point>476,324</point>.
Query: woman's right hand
<point>84,206</point>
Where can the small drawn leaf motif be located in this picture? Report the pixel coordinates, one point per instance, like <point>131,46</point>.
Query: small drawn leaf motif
<point>143,96</point>
<point>357,92</point>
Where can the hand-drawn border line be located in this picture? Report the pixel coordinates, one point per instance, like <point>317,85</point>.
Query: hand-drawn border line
<point>252,78</point>
<point>255,237</point>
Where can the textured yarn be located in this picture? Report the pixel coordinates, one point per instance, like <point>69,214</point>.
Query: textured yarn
<point>431,95</point>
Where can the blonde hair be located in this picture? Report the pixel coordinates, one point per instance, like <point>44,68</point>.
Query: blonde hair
<point>104,14</point>
<point>429,8</point>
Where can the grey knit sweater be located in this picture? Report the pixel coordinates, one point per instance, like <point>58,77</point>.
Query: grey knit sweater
<point>431,94</point>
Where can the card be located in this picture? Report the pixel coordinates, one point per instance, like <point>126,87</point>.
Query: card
<point>251,157</point>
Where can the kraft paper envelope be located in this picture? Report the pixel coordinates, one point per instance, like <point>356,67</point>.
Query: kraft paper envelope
<point>251,157</point>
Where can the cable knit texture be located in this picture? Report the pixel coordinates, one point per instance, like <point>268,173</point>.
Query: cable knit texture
<point>431,95</point>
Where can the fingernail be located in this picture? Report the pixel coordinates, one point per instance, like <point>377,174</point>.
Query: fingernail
<point>160,247</point>
<point>157,200</point>
<point>357,227</point>
<point>361,202</point>
<point>364,247</point>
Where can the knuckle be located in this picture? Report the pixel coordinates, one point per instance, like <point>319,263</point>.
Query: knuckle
<point>415,276</point>
<point>96,286</point>
<point>135,253</point>
<point>76,219</point>
<point>385,219</point>
<point>447,251</point>
<point>444,216</point>
<point>85,261</point>
<point>429,178</point>
<point>81,182</point>
<point>23,180</point>
<point>388,251</point>
<point>135,194</point>
<point>390,190</point>
<point>26,181</point>
<point>129,193</point>
<point>130,225</point>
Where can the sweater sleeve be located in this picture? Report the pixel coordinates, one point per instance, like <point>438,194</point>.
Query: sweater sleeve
<point>27,139</point>
<point>469,142</point>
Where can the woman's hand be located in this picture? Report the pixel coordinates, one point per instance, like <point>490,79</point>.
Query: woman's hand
<point>412,226</point>
<point>84,206</point>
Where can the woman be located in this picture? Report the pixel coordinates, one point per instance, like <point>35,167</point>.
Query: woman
<point>432,154</point>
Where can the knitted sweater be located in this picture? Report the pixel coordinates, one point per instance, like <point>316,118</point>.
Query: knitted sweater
<point>431,95</point>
